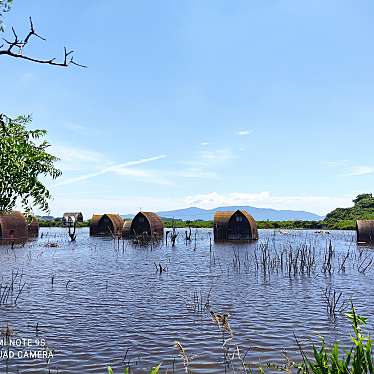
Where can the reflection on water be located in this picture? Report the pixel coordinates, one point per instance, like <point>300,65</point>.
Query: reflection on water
<point>96,302</point>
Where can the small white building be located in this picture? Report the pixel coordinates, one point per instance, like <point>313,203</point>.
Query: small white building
<point>71,218</point>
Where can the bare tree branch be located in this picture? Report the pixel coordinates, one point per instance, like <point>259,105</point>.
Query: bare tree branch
<point>16,47</point>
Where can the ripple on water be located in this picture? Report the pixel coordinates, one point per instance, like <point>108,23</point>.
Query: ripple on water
<point>107,304</point>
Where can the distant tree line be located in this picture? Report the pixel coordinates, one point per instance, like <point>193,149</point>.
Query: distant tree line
<point>338,219</point>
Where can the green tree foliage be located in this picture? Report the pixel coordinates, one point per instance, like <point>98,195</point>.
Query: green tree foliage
<point>23,159</point>
<point>58,222</point>
<point>364,201</point>
<point>346,217</point>
<point>363,196</point>
<point>178,223</point>
<point>5,6</point>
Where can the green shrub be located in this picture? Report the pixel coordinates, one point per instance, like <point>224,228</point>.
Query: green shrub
<point>358,360</point>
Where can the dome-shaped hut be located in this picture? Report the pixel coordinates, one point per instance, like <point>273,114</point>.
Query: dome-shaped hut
<point>106,225</point>
<point>365,231</point>
<point>239,225</point>
<point>33,228</point>
<point>147,224</point>
<point>13,228</point>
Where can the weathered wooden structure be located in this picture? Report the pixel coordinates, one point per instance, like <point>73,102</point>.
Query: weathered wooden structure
<point>238,226</point>
<point>72,217</point>
<point>13,228</point>
<point>147,224</point>
<point>106,225</point>
<point>126,232</point>
<point>365,231</point>
<point>33,228</point>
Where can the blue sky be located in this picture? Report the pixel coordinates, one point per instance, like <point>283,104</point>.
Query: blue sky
<point>201,103</point>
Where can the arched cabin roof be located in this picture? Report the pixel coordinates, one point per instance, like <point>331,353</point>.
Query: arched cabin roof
<point>13,228</point>
<point>116,220</point>
<point>33,228</point>
<point>365,231</point>
<point>222,219</point>
<point>155,222</point>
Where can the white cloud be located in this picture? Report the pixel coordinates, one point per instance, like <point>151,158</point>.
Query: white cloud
<point>243,132</point>
<point>316,204</point>
<point>77,159</point>
<point>349,170</point>
<point>118,169</point>
<point>93,164</point>
<point>337,163</point>
<point>75,127</point>
<point>132,172</point>
<point>218,155</point>
<point>27,78</point>
<point>205,164</point>
<point>214,199</point>
<point>130,204</point>
<point>195,173</point>
<point>84,160</point>
<point>148,175</point>
<point>204,144</point>
<point>102,204</point>
<point>360,170</point>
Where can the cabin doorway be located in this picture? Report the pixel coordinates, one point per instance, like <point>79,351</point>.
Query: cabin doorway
<point>239,228</point>
<point>105,226</point>
<point>141,225</point>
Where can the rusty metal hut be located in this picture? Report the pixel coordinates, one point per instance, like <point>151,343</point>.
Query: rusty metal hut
<point>33,228</point>
<point>365,231</point>
<point>70,218</point>
<point>13,228</point>
<point>147,224</point>
<point>106,225</point>
<point>239,225</point>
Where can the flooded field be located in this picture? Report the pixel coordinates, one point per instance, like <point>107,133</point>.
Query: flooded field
<point>96,302</point>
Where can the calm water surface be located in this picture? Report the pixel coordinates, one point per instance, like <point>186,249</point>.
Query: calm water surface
<point>108,305</point>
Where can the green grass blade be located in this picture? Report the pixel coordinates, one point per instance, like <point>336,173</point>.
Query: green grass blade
<point>155,370</point>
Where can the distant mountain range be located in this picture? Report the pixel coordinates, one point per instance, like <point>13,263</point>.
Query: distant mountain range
<point>259,214</point>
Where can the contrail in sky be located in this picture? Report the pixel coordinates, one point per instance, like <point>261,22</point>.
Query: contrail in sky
<point>109,169</point>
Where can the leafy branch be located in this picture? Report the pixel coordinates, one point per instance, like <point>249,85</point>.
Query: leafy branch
<point>23,158</point>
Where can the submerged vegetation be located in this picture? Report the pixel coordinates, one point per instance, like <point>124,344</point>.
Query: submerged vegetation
<point>154,370</point>
<point>358,359</point>
<point>294,261</point>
